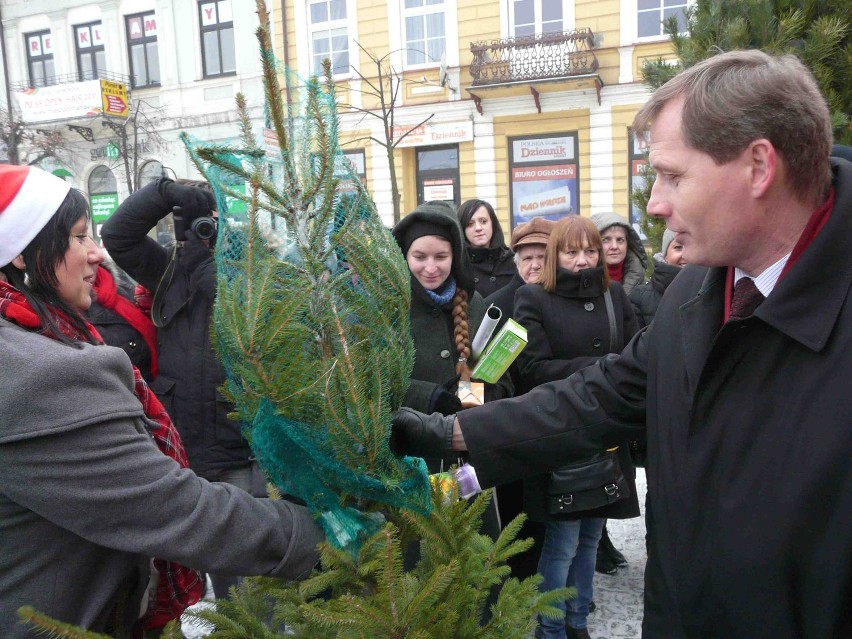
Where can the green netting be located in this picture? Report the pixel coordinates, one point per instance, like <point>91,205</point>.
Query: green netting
<point>311,316</point>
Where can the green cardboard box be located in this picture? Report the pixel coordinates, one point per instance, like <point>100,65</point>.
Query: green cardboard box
<point>501,352</point>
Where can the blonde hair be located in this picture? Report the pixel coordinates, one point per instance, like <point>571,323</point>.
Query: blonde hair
<point>570,232</point>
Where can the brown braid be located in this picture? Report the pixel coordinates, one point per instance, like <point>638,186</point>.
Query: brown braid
<point>461,333</point>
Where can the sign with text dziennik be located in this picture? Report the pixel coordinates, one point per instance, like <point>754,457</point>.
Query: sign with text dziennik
<point>544,177</point>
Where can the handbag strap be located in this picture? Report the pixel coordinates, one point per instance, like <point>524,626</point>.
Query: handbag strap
<point>613,329</point>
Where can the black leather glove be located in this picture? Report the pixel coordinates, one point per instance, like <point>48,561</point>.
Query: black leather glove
<point>193,201</point>
<point>422,435</point>
<point>444,401</point>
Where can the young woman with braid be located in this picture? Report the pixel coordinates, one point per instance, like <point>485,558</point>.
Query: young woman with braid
<point>445,313</point>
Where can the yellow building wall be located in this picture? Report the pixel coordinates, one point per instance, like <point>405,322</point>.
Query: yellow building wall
<point>479,20</point>
<point>651,51</point>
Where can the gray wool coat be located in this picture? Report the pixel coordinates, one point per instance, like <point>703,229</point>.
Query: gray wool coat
<point>86,498</point>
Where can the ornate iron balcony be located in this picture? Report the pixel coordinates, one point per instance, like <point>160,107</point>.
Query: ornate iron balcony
<point>537,57</point>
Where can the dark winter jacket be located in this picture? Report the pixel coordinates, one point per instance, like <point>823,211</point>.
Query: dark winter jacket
<point>116,331</point>
<point>646,297</point>
<point>568,330</point>
<point>435,353</point>
<point>636,259</point>
<point>190,371</point>
<point>749,442</point>
<point>86,497</point>
<point>493,268</point>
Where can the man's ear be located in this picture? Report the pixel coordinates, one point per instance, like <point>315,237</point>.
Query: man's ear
<point>763,161</point>
<point>19,263</point>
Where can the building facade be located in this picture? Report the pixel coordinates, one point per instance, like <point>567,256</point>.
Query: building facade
<point>176,65</point>
<point>529,102</point>
<point>524,103</point>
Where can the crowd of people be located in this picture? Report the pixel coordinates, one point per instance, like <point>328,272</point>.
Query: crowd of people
<point>722,363</point>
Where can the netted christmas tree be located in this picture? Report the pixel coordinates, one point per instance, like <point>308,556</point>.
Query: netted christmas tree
<point>311,323</point>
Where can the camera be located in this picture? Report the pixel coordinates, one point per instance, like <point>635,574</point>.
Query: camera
<point>204,227</point>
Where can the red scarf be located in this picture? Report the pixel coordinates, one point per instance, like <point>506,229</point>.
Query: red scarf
<point>108,297</point>
<point>812,228</point>
<point>616,272</point>
<point>179,587</point>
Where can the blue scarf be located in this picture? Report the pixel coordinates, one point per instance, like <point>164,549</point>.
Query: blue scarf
<point>447,296</point>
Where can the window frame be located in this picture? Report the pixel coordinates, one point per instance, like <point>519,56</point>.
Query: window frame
<point>659,36</point>
<point>42,58</point>
<point>144,41</point>
<point>329,26</point>
<point>92,50</point>
<point>567,17</point>
<point>442,7</point>
<point>217,27</point>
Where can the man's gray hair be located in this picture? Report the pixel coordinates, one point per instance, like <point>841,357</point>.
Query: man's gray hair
<point>734,98</point>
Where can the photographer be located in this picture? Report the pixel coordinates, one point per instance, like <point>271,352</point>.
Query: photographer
<point>183,279</point>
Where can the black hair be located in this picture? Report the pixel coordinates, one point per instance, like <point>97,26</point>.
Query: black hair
<point>47,251</point>
<point>466,211</point>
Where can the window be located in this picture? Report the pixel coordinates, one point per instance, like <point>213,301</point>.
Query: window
<point>217,38</point>
<point>424,31</point>
<point>437,173</point>
<point>142,49</point>
<point>151,171</point>
<point>652,13</point>
<point>40,58</point>
<point>91,59</point>
<point>329,35</point>
<point>530,17</point>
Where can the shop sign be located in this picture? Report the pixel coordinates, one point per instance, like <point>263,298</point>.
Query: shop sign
<point>434,134</point>
<point>438,189</point>
<point>103,205</point>
<point>114,99</point>
<point>529,150</point>
<point>73,100</point>
<point>543,183</point>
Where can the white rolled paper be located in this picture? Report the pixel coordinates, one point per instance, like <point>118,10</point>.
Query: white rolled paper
<point>486,330</point>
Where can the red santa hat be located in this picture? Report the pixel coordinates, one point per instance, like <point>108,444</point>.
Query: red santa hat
<point>28,199</point>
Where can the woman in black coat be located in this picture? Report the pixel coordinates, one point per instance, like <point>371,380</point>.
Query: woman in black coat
<point>667,264</point>
<point>445,314</point>
<point>491,261</point>
<point>568,328</point>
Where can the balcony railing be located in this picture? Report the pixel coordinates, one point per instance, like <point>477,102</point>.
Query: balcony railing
<point>537,57</point>
<point>68,78</point>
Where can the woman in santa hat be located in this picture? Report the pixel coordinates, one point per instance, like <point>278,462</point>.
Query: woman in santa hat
<point>86,497</point>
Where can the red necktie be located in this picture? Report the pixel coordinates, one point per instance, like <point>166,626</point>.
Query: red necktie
<point>745,300</point>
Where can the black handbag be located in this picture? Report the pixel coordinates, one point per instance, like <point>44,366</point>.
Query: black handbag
<point>590,484</point>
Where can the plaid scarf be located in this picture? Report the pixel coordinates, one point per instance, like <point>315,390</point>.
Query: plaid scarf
<point>179,586</point>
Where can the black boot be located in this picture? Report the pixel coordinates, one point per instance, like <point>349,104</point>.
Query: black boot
<point>605,565</point>
<point>605,546</point>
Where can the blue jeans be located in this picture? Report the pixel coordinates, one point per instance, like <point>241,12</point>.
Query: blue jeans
<point>568,558</point>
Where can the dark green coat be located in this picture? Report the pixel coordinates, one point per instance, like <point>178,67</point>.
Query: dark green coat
<point>435,353</point>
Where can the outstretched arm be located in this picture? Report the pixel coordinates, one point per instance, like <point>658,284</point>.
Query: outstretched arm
<point>558,422</point>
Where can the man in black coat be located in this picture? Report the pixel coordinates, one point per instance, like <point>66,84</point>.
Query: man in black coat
<point>183,279</point>
<point>748,412</point>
